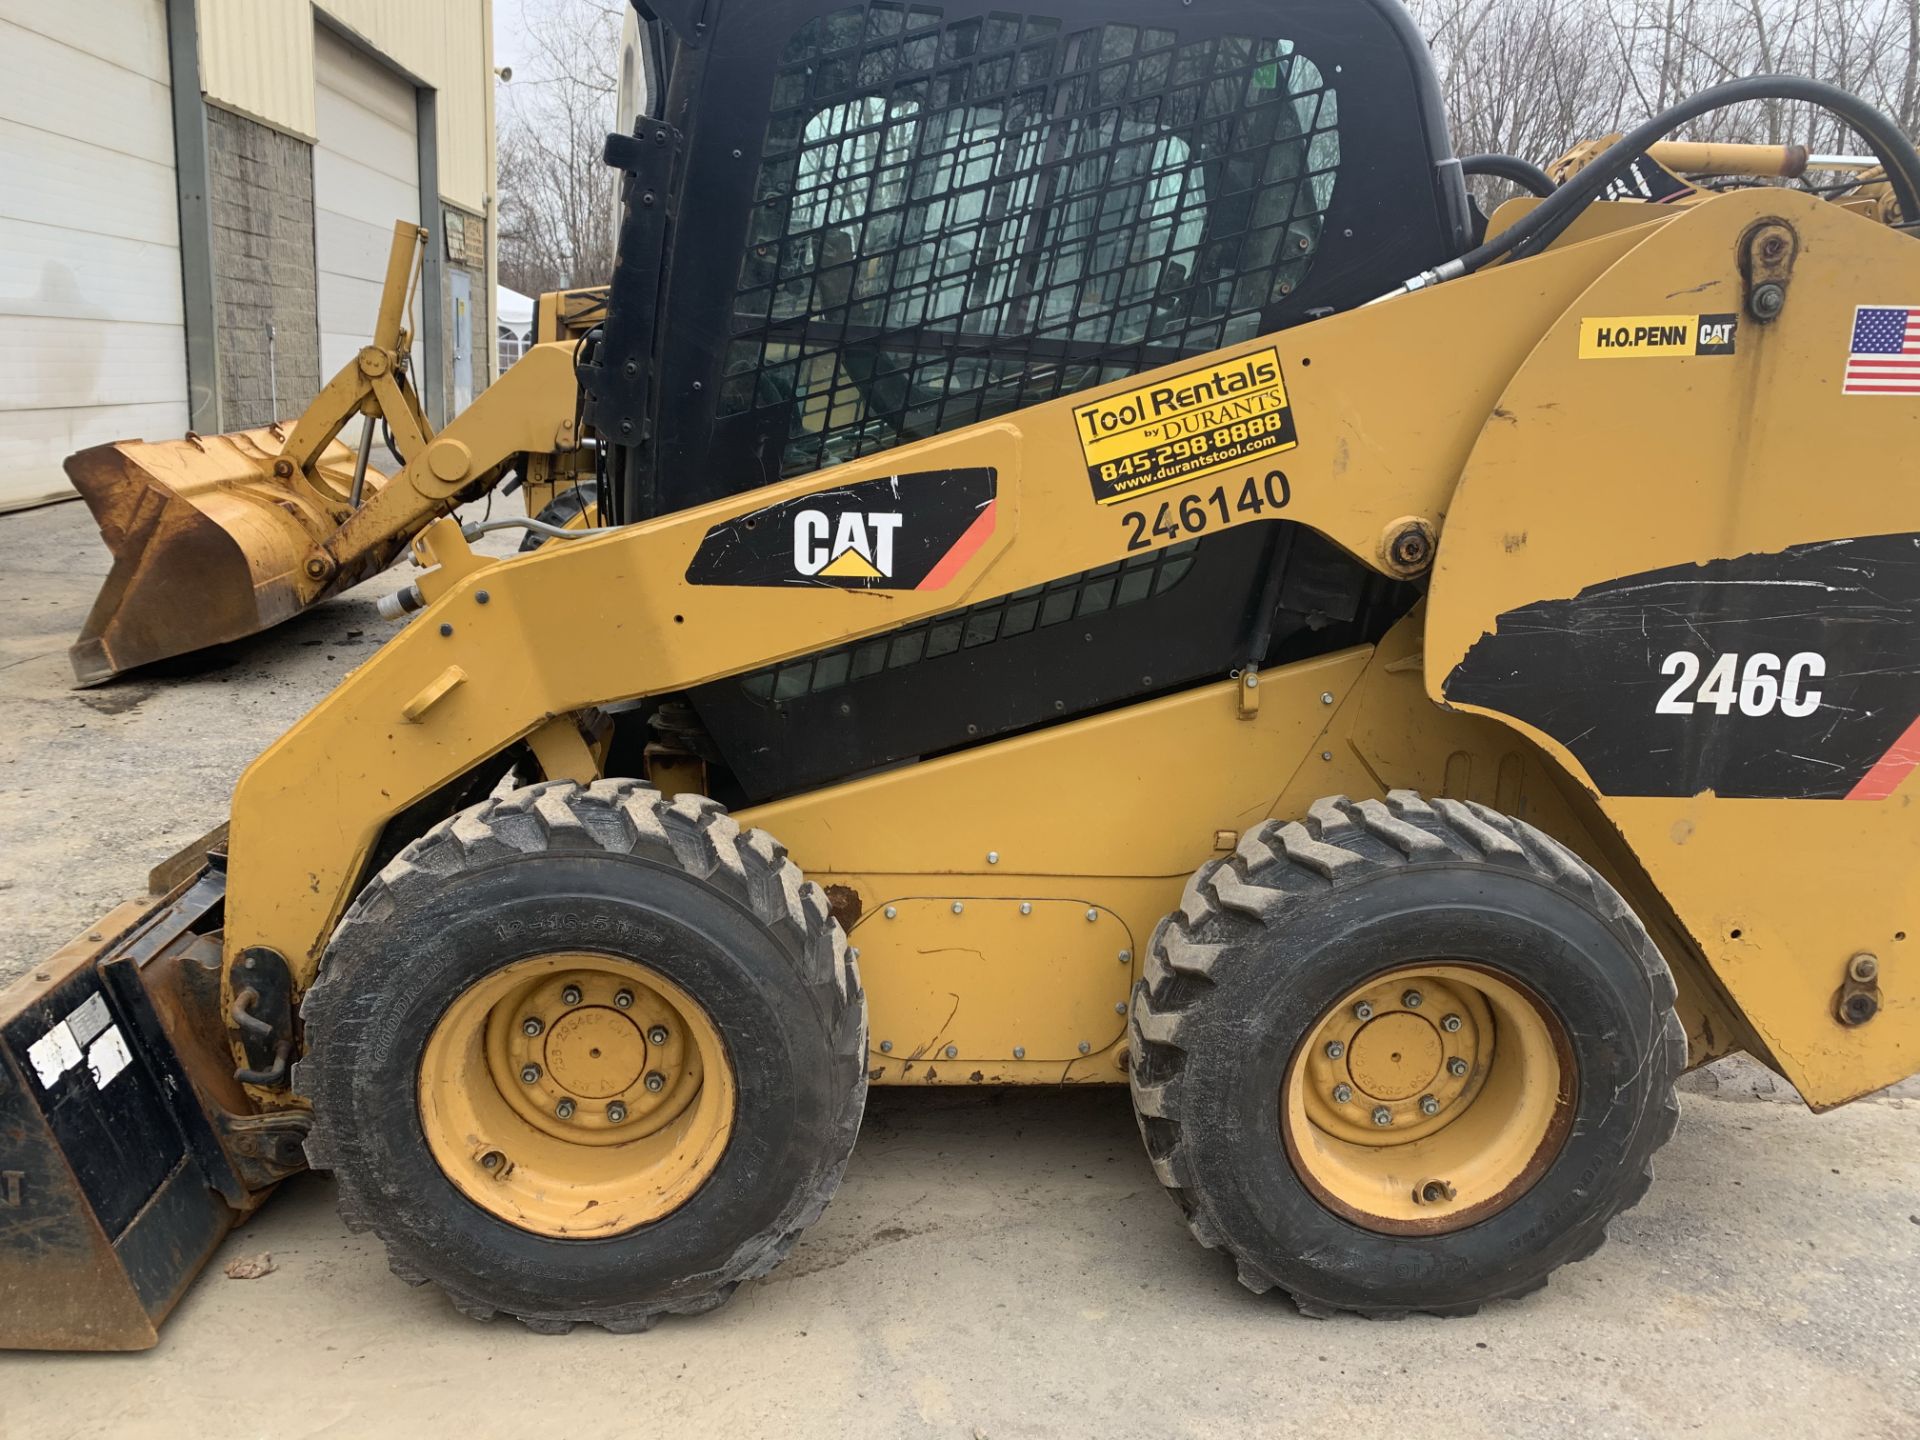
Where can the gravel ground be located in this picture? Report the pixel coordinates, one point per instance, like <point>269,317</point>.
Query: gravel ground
<point>998,1264</point>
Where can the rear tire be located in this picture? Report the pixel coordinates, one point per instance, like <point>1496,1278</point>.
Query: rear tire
<point>1276,943</point>
<point>644,893</point>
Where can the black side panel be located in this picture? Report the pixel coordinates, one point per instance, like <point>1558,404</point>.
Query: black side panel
<point>903,532</point>
<point>1794,674</point>
<point>1159,622</point>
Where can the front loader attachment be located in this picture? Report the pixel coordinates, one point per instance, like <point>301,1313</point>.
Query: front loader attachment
<point>215,538</point>
<point>209,545</point>
<point>127,1150</point>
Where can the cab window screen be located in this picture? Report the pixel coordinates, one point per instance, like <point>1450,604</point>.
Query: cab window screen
<point>956,220</point>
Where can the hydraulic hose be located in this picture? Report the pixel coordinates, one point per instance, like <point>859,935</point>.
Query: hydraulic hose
<point>1539,229</point>
<point>1524,173</point>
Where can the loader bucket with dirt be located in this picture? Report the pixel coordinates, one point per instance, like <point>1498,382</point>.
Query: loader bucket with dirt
<point>208,543</point>
<point>217,537</point>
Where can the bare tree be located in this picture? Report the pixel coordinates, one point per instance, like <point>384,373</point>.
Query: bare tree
<point>558,199</point>
<point>1534,77</point>
<point>1521,77</point>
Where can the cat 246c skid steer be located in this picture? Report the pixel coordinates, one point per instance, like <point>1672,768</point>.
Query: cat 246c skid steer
<point>1051,629</point>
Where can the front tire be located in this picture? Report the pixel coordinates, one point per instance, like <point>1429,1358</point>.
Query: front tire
<point>1403,1057</point>
<point>586,1054</point>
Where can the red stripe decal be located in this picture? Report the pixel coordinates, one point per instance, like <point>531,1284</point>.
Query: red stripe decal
<point>1891,768</point>
<point>971,539</point>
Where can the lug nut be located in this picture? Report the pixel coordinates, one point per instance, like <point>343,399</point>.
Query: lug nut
<point>623,1000</point>
<point>886,1047</point>
<point>530,1074</point>
<point>491,1160</point>
<point>1411,999</point>
<point>1429,1105</point>
<point>1019,1052</point>
<point>531,1026</point>
<point>1342,1094</point>
<point>1093,914</point>
<point>890,912</point>
<point>952,1051</point>
<point>1363,1011</point>
<point>1335,1050</point>
<point>656,1082</point>
<point>1451,1024</point>
<point>570,995</point>
<point>564,1109</point>
<point>657,1035</point>
<point>616,1112</point>
<point>1382,1116</point>
<point>1456,1066</point>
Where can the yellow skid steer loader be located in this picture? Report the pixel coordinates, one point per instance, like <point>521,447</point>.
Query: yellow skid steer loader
<point>1047,627</point>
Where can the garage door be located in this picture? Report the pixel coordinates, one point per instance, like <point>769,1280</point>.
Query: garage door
<point>366,175</point>
<point>92,346</point>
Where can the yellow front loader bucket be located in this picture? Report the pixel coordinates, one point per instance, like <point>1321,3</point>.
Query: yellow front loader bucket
<point>215,538</point>
<point>209,544</point>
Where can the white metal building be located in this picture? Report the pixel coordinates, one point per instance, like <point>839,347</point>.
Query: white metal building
<point>196,200</point>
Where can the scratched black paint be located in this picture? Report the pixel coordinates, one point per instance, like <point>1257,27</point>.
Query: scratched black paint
<point>934,509</point>
<point>1587,670</point>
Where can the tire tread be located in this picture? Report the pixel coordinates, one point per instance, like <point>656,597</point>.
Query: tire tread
<point>691,833</point>
<point>1341,843</point>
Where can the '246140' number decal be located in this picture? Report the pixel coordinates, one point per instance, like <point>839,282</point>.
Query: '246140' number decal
<point>1761,686</point>
<point>1196,512</point>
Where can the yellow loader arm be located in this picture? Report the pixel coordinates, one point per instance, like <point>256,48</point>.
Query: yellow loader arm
<point>1663,173</point>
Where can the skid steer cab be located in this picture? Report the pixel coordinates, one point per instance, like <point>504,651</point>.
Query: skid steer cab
<point>1042,623</point>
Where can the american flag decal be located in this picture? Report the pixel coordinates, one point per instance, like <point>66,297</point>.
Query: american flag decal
<point>1885,355</point>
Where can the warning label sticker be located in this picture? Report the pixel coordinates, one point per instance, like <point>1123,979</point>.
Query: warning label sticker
<point>1188,425</point>
<point>1641,337</point>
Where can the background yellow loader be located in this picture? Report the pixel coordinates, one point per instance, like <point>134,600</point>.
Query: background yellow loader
<point>1394,738</point>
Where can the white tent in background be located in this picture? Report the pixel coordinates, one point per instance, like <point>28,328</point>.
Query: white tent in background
<point>513,313</point>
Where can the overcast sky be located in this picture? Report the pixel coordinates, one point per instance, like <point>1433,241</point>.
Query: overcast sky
<point>508,47</point>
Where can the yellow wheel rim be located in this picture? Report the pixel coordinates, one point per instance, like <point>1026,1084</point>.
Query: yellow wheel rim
<point>576,1095</point>
<point>1428,1099</point>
